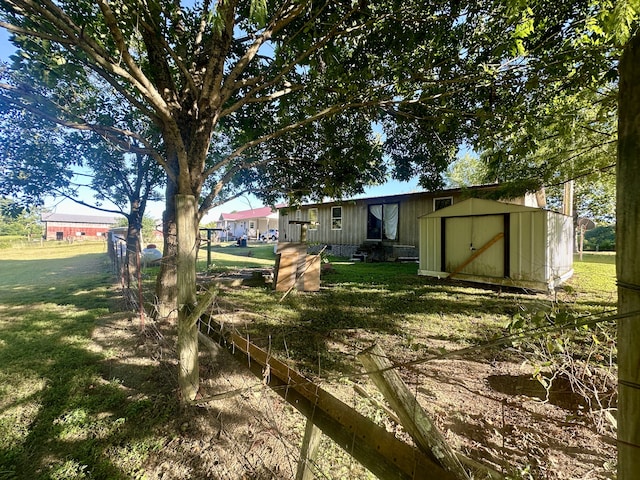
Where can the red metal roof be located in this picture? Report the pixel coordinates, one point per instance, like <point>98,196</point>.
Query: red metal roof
<point>247,214</point>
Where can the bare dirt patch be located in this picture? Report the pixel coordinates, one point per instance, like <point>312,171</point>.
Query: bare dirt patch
<point>488,409</point>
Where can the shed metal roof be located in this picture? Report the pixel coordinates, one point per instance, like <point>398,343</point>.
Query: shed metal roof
<point>480,206</point>
<point>263,212</point>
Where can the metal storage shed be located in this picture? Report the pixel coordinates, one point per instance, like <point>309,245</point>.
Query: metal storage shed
<point>497,243</point>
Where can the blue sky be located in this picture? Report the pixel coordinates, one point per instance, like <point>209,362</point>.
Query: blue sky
<point>155,209</point>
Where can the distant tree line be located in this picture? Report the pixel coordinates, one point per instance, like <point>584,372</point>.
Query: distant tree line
<point>602,238</point>
<point>19,222</point>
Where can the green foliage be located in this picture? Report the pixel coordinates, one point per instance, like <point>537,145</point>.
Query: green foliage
<point>37,157</point>
<point>299,92</point>
<point>466,171</point>
<point>148,224</point>
<point>601,238</point>
<point>553,109</point>
<point>18,221</point>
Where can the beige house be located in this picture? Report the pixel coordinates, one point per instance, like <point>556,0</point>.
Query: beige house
<point>375,228</point>
<point>497,243</point>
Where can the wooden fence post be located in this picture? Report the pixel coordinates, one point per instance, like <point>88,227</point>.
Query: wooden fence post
<point>308,451</point>
<point>378,450</point>
<point>413,417</point>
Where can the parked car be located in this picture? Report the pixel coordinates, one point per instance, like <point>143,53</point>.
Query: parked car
<point>271,234</point>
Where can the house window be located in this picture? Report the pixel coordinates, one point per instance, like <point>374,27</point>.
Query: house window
<point>336,218</point>
<point>442,202</point>
<point>252,225</point>
<point>382,222</point>
<point>313,218</point>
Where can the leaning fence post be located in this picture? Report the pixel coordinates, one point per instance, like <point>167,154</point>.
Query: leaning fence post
<point>308,451</point>
<point>412,416</point>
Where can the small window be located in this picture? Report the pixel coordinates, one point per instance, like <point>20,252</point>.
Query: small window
<point>252,225</point>
<point>336,218</point>
<point>442,202</point>
<point>313,218</point>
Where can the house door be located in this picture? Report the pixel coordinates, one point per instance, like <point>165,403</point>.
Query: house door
<point>465,236</point>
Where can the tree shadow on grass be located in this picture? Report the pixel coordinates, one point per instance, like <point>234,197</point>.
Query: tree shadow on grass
<point>60,415</point>
<point>88,395</point>
<point>412,310</point>
<point>81,281</point>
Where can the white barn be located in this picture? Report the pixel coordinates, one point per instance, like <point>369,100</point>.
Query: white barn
<point>497,243</point>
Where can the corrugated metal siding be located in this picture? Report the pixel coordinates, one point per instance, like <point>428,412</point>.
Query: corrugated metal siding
<point>560,252</point>
<point>430,246</point>
<point>541,247</point>
<point>354,221</point>
<point>75,231</point>
<point>466,235</point>
<point>528,247</point>
<point>410,211</point>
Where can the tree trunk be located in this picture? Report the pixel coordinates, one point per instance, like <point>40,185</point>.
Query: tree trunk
<point>187,223</point>
<point>134,225</point>
<point>132,255</point>
<point>627,264</point>
<point>166,282</point>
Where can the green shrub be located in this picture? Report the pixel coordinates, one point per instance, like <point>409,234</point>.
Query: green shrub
<point>602,238</point>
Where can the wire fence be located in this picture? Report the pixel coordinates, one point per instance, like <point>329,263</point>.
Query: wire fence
<point>491,412</point>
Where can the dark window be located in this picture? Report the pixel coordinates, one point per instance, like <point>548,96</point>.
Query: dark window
<point>382,222</point>
<point>442,202</point>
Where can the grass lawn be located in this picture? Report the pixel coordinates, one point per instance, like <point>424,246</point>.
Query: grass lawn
<point>69,409</point>
<point>391,300</point>
<point>227,256</point>
<point>62,416</point>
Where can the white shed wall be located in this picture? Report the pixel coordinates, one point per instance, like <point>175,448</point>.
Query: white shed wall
<point>430,248</point>
<point>560,247</point>
<point>528,247</point>
<point>540,246</point>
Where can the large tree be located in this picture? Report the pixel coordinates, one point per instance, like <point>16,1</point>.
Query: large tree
<point>425,71</point>
<point>253,76</point>
<point>43,159</point>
